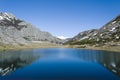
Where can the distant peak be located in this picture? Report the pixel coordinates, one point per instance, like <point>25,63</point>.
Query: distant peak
<point>5,15</point>
<point>62,37</point>
<point>8,19</point>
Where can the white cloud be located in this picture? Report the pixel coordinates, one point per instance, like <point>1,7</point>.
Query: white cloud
<point>61,37</point>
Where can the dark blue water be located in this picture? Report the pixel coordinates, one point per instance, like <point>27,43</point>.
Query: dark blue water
<point>59,64</point>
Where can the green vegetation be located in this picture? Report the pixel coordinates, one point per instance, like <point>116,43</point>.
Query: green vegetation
<point>91,41</point>
<point>85,41</point>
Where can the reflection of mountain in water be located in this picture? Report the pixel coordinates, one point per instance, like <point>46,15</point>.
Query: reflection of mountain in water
<point>110,60</point>
<point>11,60</point>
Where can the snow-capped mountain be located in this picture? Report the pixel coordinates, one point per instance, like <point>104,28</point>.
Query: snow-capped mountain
<point>62,37</point>
<point>109,32</point>
<point>17,31</point>
<point>7,16</point>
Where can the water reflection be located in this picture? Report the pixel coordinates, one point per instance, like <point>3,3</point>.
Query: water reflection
<point>110,60</point>
<point>12,60</point>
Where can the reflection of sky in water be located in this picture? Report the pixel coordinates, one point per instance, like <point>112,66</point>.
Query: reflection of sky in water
<point>61,55</point>
<point>64,63</point>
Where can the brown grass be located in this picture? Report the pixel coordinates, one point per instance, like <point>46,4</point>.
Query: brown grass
<point>30,46</point>
<point>50,45</point>
<point>106,48</point>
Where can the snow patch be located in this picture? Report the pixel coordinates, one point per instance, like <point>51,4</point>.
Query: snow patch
<point>117,37</point>
<point>104,28</point>
<point>101,34</point>
<point>1,18</point>
<point>62,37</point>
<point>113,22</point>
<point>84,38</point>
<point>8,16</point>
<point>94,34</point>
<point>112,29</point>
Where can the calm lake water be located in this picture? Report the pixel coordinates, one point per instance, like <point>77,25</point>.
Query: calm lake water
<point>59,64</point>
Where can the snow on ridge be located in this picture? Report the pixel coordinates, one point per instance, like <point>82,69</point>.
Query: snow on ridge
<point>62,37</point>
<point>7,16</point>
<point>113,29</point>
<point>1,18</point>
<point>113,22</point>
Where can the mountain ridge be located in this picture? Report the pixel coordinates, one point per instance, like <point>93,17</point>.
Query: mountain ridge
<point>14,31</point>
<point>109,32</point>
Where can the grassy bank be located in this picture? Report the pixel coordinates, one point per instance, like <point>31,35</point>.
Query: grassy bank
<point>51,45</point>
<point>93,47</point>
<point>30,46</point>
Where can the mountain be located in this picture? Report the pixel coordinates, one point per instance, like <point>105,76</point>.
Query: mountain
<point>14,31</point>
<point>62,37</point>
<point>110,32</point>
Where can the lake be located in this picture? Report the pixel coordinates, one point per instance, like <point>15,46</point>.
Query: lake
<point>59,64</point>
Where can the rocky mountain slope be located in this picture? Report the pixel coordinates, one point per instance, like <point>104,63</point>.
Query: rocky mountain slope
<point>14,31</point>
<point>110,32</point>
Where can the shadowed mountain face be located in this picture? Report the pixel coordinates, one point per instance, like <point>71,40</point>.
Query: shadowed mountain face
<point>107,33</point>
<point>12,60</point>
<point>16,31</point>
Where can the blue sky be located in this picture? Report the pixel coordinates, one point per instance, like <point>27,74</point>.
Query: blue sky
<point>63,17</point>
